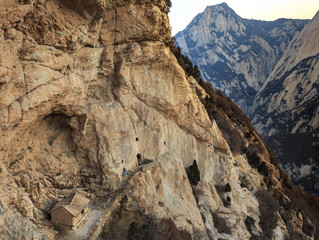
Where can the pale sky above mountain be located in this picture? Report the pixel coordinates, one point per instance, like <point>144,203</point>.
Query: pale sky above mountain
<point>183,11</point>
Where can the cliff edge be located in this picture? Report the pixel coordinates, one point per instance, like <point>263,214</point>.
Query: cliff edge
<point>87,87</point>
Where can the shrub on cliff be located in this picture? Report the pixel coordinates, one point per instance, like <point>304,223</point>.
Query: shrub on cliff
<point>153,230</point>
<point>183,61</point>
<point>193,173</point>
<point>138,233</point>
<point>168,4</point>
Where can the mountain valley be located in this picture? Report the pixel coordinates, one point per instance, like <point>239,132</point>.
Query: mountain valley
<point>270,69</point>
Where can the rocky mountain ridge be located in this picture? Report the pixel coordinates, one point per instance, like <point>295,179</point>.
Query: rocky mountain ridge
<point>87,87</point>
<point>286,109</point>
<point>280,103</point>
<point>235,54</point>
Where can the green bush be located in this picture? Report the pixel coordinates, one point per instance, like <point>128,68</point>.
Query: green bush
<point>168,4</point>
<point>249,134</point>
<point>193,174</point>
<point>183,61</point>
<point>253,159</point>
<point>262,169</point>
<point>123,201</point>
<point>164,229</point>
<point>138,233</point>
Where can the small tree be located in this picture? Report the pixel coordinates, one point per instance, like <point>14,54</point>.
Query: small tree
<point>139,233</point>
<point>193,174</point>
<point>168,4</point>
<point>196,73</point>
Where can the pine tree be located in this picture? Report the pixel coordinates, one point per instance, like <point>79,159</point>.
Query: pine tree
<point>168,4</point>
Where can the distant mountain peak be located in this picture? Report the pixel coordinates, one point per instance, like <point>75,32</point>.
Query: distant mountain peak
<point>223,4</point>
<point>236,54</point>
<point>286,108</point>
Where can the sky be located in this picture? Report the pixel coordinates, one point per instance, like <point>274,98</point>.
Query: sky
<point>183,11</point>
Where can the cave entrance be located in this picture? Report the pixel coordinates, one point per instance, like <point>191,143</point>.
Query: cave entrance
<point>44,162</point>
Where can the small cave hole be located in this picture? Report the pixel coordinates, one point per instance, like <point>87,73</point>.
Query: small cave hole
<point>227,201</point>
<point>136,139</point>
<point>138,156</point>
<point>30,149</point>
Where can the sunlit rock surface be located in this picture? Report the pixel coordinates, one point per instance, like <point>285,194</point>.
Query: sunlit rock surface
<point>87,85</point>
<point>235,54</point>
<point>286,109</point>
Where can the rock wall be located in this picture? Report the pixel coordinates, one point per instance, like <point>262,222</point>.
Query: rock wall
<point>86,86</point>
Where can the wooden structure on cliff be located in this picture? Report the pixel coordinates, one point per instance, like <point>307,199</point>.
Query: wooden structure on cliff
<point>70,210</point>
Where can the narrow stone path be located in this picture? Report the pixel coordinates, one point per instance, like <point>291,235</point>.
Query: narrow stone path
<point>92,224</point>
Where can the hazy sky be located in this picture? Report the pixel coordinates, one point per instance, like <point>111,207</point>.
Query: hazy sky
<point>183,11</point>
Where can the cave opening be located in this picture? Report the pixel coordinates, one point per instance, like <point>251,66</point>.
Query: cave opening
<point>45,163</point>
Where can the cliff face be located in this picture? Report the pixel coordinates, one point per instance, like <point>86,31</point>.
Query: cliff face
<point>235,54</point>
<point>275,83</point>
<point>296,80</point>
<point>87,85</point>
<point>286,110</point>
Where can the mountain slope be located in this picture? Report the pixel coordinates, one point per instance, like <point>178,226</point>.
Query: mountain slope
<point>90,87</point>
<point>236,55</point>
<point>286,110</point>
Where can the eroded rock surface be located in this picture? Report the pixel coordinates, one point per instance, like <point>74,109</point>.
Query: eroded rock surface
<point>286,109</point>
<point>85,87</point>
